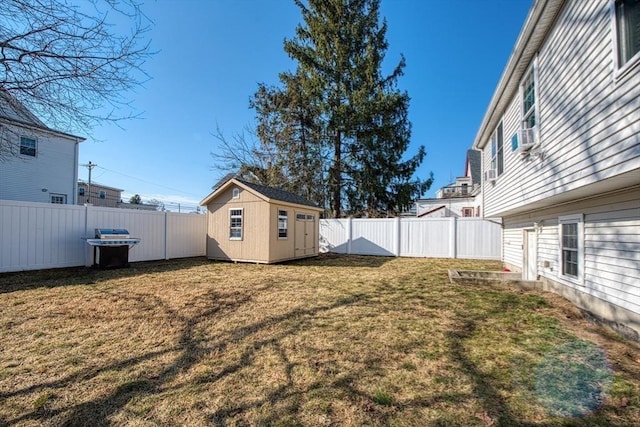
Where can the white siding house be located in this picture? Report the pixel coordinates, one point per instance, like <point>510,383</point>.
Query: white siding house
<point>561,155</point>
<point>38,164</point>
<point>463,198</point>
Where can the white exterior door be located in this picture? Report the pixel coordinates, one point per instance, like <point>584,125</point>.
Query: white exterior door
<point>530,264</point>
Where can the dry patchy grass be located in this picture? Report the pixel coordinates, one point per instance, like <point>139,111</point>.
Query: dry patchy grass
<point>344,341</point>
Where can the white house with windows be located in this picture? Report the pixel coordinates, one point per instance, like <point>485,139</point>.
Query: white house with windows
<point>37,164</point>
<point>561,155</point>
<point>463,198</point>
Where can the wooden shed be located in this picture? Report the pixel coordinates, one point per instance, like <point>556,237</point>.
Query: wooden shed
<point>254,223</point>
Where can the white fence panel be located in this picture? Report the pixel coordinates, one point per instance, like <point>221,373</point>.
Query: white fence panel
<point>472,238</point>
<point>374,236</point>
<point>478,239</point>
<point>186,235</point>
<point>37,236</point>
<point>147,225</point>
<point>334,235</point>
<point>426,237</point>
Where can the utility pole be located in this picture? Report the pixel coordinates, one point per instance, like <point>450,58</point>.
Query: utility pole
<point>89,166</point>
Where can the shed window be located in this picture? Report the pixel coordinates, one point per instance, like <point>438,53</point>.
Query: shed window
<point>282,224</point>
<point>571,247</point>
<point>467,212</point>
<point>81,191</point>
<point>28,146</point>
<point>628,29</point>
<point>235,224</point>
<point>235,193</point>
<point>102,194</point>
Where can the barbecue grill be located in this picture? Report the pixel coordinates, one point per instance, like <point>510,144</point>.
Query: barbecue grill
<point>111,247</point>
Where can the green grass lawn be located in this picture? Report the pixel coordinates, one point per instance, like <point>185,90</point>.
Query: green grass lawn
<point>332,341</point>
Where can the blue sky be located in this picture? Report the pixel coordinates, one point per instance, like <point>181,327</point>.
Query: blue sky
<point>212,55</point>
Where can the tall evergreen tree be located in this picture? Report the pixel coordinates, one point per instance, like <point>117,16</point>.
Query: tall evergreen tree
<point>338,120</point>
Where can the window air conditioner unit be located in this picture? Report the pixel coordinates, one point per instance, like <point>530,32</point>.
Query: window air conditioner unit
<point>490,175</point>
<point>527,138</point>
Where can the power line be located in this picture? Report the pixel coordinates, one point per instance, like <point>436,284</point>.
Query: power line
<point>147,182</point>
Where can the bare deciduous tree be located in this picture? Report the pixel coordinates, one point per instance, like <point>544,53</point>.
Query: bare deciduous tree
<point>72,63</point>
<point>247,158</point>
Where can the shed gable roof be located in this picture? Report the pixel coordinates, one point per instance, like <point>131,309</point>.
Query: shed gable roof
<point>278,194</point>
<point>266,192</point>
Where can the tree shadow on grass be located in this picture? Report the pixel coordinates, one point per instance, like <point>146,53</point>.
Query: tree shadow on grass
<point>192,350</point>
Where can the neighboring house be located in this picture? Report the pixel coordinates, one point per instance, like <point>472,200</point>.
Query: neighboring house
<point>138,206</point>
<point>39,164</point>
<point>255,223</point>
<point>460,199</point>
<point>561,155</point>
<point>99,195</point>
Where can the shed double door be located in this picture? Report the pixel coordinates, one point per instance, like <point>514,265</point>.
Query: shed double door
<point>306,238</point>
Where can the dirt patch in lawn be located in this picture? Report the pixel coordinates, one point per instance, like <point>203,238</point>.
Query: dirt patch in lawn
<point>337,340</point>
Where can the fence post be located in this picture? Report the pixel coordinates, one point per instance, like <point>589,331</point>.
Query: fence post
<point>166,229</point>
<point>86,246</point>
<point>452,238</point>
<point>349,235</point>
<point>398,236</point>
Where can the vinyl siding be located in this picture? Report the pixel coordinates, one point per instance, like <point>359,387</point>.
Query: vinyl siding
<point>611,246</point>
<point>512,245</point>
<point>53,168</point>
<point>589,120</point>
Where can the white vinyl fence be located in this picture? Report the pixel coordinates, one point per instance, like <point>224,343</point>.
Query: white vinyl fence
<point>40,235</point>
<point>470,238</point>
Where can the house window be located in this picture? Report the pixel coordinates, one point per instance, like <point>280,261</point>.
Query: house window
<point>58,199</point>
<point>571,244</point>
<point>497,150</point>
<point>282,224</point>
<point>81,191</point>
<point>235,193</point>
<point>28,146</point>
<point>235,224</point>
<point>467,212</point>
<point>102,194</point>
<point>627,15</point>
<point>529,119</point>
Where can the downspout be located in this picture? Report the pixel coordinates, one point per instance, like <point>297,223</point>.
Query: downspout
<point>74,197</point>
